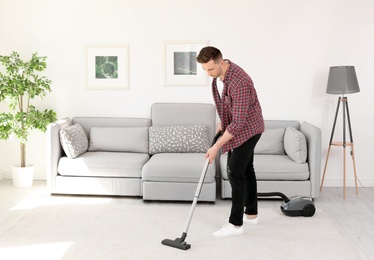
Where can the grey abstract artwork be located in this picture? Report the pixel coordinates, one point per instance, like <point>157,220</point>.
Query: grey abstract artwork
<point>185,63</point>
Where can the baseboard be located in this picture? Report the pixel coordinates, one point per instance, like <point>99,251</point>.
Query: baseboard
<point>40,176</point>
<point>7,175</point>
<point>349,183</point>
<point>37,176</point>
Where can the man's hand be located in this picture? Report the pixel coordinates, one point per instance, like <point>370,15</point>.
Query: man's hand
<point>212,153</point>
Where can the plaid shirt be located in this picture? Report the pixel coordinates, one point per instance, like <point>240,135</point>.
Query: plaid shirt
<point>239,108</point>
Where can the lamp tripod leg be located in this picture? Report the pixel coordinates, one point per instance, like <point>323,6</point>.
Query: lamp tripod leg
<point>324,170</point>
<point>345,174</point>
<point>354,167</point>
<point>352,144</point>
<point>331,137</point>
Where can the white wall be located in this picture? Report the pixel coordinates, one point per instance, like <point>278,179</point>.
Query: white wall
<point>286,46</point>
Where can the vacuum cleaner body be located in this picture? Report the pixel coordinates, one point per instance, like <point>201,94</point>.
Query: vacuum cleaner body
<point>293,206</point>
<point>299,206</point>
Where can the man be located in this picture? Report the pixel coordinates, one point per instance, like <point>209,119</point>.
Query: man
<point>242,125</point>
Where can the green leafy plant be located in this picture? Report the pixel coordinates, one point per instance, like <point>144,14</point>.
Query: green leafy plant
<point>19,84</point>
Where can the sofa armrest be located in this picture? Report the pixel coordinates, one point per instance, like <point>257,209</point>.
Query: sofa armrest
<point>313,137</point>
<point>54,150</point>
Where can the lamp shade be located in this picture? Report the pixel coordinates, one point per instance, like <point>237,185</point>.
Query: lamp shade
<point>342,80</point>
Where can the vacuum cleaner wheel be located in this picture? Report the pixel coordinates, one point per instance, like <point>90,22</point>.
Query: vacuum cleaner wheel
<point>309,210</point>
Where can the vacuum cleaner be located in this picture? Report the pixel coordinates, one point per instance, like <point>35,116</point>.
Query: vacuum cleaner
<point>293,206</point>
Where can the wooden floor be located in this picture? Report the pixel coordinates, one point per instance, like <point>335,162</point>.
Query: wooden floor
<point>353,216</point>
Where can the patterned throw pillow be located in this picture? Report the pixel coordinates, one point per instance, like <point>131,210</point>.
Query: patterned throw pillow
<point>73,140</point>
<point>178,139</point>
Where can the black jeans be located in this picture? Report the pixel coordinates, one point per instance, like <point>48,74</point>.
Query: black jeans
<point>242,177</point>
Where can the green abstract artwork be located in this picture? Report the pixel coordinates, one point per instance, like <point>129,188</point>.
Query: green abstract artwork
<point>106,67</point>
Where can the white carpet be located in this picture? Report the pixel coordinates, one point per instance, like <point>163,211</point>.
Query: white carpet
<point>91,228</point>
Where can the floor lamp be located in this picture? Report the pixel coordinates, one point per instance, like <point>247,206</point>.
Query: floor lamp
<point>342,80</point>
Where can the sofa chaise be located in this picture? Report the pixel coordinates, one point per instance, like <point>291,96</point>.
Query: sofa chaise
<point>287,159</point>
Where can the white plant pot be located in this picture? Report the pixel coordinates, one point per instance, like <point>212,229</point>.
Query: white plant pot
<point>23,176</point>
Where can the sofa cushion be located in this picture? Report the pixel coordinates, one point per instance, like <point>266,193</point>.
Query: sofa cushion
<point>273,167</point>
<point>271,142</point>
<point>178,139</point>
<point>177,167</point>
<point>119,139</point>
<point>73,140</point>
<point>104,164</point>
<point>295,145</point>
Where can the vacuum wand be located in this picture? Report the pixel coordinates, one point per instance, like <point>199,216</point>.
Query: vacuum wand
<point>197,194</point>
<point>179,242</point>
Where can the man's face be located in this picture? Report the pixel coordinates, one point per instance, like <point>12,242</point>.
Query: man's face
<point>213,69</point>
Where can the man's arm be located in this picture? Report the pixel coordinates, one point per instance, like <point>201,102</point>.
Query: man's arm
<point>213,151</point>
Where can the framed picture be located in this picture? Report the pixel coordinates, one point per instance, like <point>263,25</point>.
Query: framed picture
<point>107,67</point>
<point>181,67</point>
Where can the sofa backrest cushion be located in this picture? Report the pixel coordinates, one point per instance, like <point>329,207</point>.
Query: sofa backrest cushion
<point>185,114</point>
<point>119,139</point>
<point>178,139</point>
<point>295,145</point>
<point>271,142</point>
<point>73,140</point>
<point>88,122</point>
<point>282,124</point>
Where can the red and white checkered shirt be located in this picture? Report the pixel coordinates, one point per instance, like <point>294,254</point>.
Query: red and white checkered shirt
<point>239,108</point>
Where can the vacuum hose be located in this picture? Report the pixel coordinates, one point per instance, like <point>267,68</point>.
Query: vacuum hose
<point>272,194</point>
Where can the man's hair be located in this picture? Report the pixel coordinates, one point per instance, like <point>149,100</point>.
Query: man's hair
<point>209,53</point>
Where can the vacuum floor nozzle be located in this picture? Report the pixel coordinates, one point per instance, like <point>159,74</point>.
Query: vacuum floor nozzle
<point>177,243</point>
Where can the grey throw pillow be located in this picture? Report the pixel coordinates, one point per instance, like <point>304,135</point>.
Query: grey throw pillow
<point>178,139</point>
<point>295,145</point>
<point>271,142</point>
<point>73,140</point>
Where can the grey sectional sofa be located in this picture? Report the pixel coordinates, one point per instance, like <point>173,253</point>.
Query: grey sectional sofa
<point>161,157</point>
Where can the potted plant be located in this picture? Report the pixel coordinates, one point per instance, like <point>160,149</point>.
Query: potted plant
<point>19,84</point>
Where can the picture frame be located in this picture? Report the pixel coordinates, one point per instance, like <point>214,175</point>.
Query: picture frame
<point>107,67</point>
<point>181,67</point>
